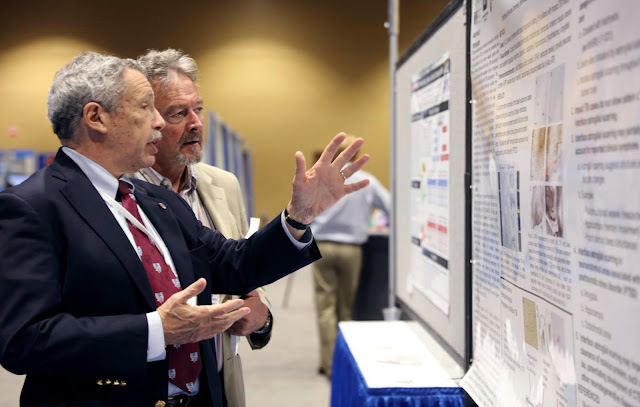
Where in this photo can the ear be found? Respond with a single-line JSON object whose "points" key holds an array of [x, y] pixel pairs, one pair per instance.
{"points": [[95, 117]]}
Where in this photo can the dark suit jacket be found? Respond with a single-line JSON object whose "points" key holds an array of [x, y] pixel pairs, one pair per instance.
{"points": [[74, 294]]}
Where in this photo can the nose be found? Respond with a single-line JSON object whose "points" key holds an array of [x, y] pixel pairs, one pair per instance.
{"points": [[195, 121], [158, 121]]}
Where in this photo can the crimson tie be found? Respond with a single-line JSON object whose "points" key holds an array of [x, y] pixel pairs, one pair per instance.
{"points": [[184, 360]]}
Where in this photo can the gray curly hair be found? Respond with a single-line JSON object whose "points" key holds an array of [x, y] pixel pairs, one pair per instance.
{"points": [[163, 66], [89, 77]]}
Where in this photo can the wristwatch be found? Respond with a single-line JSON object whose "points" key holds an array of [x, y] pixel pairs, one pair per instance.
{"points": [[267, 325], [294, 223]]}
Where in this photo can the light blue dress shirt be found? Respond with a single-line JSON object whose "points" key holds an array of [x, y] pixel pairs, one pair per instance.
{"points": [[348, 220]]}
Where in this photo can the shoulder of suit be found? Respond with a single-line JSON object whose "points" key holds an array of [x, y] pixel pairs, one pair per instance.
{"points": [[39, 191], [215, 173], [153, 190]]}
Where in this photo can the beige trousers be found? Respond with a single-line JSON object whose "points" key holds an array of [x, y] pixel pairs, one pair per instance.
{"points": [[335, 278]]}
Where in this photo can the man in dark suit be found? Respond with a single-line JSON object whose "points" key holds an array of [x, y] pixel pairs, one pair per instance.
{"points": [[83, 251]]}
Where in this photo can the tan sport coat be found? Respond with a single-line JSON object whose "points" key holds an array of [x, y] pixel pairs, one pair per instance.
{"points": [[221, 195]]}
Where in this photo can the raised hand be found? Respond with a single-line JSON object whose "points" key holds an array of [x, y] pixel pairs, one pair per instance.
{"points": [[185, 323], [320, 187]]}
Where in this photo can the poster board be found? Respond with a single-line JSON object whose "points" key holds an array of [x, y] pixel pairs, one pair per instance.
{"points": [[555, 208], [431, 111]]}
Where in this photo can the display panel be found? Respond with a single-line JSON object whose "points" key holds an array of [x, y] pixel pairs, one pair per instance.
{"points": [[430, 157]]}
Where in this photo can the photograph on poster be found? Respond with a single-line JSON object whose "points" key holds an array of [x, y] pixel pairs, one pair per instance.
{"points": [[538, 147], [546, 210], [549, 97], [557, 337], [546, 154], [544, 328], [509, 194], [553, 211], [554, 153], [556, 94], [530, 323], [544, 331], [537, 206], [541, 101]]}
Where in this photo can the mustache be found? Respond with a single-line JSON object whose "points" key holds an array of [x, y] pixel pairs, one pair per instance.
{"points": [[192, 136], [155, 136]]}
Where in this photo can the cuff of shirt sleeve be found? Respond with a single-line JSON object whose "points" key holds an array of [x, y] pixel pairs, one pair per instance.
{"points": [[304, 241], [155, 343]]}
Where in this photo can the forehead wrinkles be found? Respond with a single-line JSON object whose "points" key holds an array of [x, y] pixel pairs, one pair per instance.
{"points": [[180, 91], [136, 88]]}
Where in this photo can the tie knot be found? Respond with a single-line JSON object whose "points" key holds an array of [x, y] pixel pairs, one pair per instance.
{"points": [[123, 188]]}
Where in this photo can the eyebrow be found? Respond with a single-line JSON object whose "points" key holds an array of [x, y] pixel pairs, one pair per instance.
{"points": [[180, 106]]}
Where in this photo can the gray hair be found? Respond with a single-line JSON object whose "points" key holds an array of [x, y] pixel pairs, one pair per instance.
{"points": [[89, 77], [163, 66]]}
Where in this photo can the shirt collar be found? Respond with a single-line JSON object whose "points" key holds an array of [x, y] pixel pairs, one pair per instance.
{"points": [[97, 174], [156, 178]]}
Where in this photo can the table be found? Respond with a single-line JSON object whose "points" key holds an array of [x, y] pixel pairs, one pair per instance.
{"points": [[389, 364]]}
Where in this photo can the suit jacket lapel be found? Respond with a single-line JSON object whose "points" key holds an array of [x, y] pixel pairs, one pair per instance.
{"points": [[214, 199], [83, 196]]}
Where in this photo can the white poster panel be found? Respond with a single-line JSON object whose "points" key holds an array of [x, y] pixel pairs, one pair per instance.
{"points": [[430, 129], [556, 203]]}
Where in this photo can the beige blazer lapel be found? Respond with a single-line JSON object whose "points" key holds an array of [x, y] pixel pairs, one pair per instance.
{"points": [[215, 201]]}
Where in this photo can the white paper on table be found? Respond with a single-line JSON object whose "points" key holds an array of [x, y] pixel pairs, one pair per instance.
{"points": [[390, 354], [254, 225]]}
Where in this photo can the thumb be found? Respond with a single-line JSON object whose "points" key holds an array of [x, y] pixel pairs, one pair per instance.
{"points": [[194, 289], [301, 166]]}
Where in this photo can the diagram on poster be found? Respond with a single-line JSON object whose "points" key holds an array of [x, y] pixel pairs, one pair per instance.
{"points": [[430, 129]]}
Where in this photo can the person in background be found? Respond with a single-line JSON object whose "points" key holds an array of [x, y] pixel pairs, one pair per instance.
{"points": [[340, 232], [106, 281], [212, 193]]}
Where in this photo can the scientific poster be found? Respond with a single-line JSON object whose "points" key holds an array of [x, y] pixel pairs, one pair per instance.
{"points": [[430, 129], [556, 203]]}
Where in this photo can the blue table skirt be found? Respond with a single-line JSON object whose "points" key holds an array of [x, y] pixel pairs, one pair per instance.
{"points": [[349, 389]]}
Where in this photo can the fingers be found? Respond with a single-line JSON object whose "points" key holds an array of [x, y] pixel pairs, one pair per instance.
{"points": [[252, 322], [331, 148], [209, 328], [356, 186], [348, 153], [355, 167], [212, 311], [193, 290], [230, 318], [217, 324], [301, 166]]}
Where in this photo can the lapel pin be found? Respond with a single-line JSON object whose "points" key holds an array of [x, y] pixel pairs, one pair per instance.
{"points": [[160, 204]]}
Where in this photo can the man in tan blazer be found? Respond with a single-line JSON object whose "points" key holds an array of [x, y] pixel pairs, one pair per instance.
{"points": [[213, 194]]}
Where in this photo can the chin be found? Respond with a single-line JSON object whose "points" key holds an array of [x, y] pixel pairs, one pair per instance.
{"points": [[187, 160], [148, 162]]}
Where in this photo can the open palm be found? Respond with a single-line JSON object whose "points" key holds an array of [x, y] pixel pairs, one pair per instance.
{"points": [[320, 187]]}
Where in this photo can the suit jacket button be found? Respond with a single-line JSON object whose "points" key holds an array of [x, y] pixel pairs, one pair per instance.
{"points": [[99, 382], [107, 381], [160, 403], [116, 383], [123, 383]]}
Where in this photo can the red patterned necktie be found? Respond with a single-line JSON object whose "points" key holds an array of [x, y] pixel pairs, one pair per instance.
{"points": [[184, 360]]}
